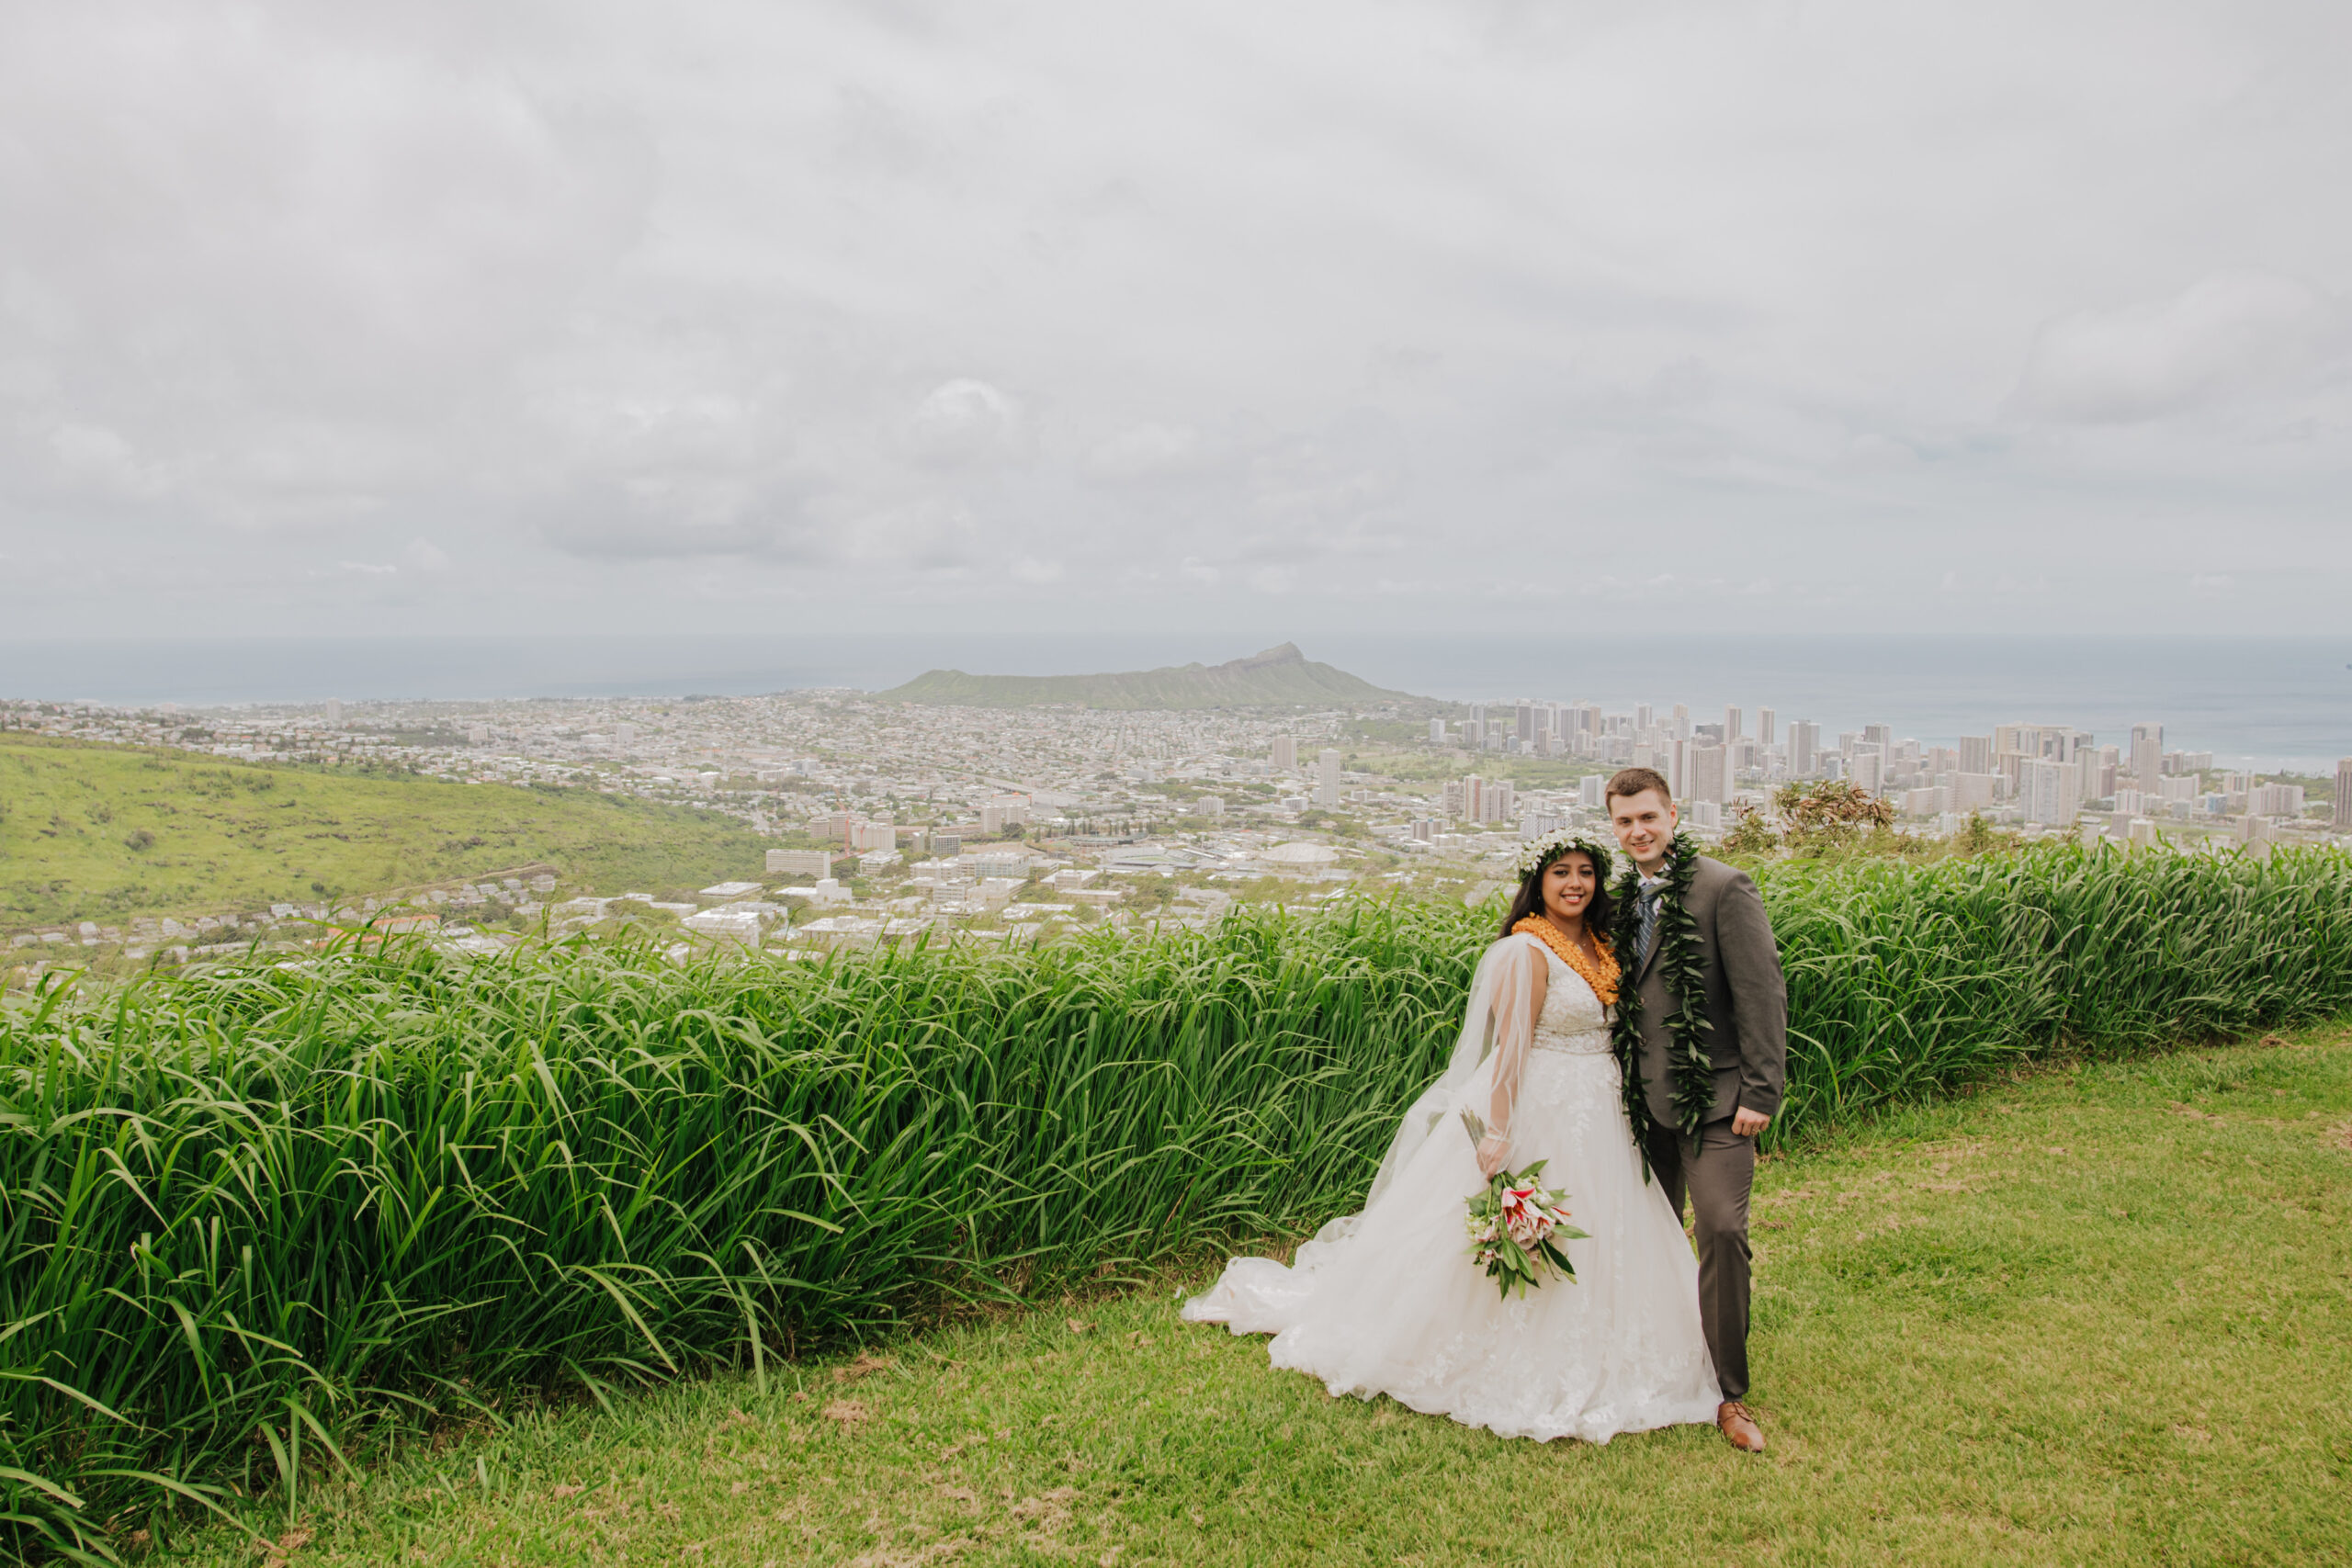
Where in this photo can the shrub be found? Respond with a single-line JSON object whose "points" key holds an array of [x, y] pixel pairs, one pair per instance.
{"points": [[245, 1205]]}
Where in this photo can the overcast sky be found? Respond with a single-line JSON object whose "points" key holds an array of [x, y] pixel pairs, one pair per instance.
{"points": [[1260, 319]]}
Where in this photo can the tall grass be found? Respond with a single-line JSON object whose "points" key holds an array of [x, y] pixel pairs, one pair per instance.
{"points": [[1906, 980], [257, 1213]]}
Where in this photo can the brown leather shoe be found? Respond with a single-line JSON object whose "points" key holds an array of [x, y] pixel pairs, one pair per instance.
{"points": [[1739, 1427]]}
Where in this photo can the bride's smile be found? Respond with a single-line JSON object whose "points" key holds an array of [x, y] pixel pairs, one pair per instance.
{"points": [[1569, 885]]}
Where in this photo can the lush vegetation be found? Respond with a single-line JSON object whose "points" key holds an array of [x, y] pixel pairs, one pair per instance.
{"points": [[106, 832], [249, 1209], [2081, 1319]]}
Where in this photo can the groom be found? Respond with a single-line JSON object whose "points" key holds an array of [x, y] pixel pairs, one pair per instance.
{"points": [[1709, 1092]]}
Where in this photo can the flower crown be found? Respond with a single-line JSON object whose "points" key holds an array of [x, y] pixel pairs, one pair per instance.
{"points": [[1537, 853]]}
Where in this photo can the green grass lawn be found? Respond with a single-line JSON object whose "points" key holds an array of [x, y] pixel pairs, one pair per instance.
{"points": [[105, 832], [2103, 1315]]}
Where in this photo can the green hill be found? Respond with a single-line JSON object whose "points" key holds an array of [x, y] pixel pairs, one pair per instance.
{"points": [[90, 832], [1280, 677]]}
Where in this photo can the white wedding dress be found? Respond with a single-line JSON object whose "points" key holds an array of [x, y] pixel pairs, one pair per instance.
{"points": [[1389, 1302]]}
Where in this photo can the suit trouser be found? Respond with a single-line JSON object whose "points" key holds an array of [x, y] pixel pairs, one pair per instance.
{"points": [[1717, 1182]]}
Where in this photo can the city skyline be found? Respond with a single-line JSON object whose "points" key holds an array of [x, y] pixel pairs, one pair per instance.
{"points": [[2268, 704], [918, 801]]}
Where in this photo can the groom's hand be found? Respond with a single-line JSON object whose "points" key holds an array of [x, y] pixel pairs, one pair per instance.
{"points": [[1746, 1124]]}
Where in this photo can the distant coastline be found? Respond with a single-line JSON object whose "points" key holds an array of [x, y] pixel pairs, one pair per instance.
{"points": [[2271, 701]]}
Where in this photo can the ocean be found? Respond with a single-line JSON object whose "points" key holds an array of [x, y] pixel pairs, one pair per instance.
{"points": [[2272, 703]]}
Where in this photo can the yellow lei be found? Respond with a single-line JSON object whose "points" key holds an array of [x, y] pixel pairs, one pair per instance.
{"points": [[1602, 976]]}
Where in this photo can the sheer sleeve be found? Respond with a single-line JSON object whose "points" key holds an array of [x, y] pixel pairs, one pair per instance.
{"points": [[1519, 989]]}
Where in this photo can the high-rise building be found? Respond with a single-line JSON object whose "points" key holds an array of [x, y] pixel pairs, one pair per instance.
{"points": [[2344, 792], [1976, 753], [2050, 792], [625, 734], [334, 710], [1765, 734], [1866, 766], [1285, 752], [1804, 748], [2147, 754], [2275, 800], [1437, 732], [1683, 721], [1326, 769], [2098, 771], [1706, 772], [1733, 720], [1645, 716]]}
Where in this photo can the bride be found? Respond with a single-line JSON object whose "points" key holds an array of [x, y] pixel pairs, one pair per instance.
{"points": [[1389, 1302]]}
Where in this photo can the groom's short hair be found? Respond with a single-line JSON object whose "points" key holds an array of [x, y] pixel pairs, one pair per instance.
{"points": [[1632, 781]]}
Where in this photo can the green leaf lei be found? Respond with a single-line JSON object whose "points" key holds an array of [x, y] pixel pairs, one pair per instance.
{"points": [[1680, 967]]}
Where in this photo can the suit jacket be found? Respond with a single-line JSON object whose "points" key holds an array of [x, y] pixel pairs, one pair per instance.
{"points": [[1748, 1001]]}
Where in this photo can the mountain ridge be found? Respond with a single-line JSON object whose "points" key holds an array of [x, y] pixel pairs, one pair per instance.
{"points": [[1281, 676]]}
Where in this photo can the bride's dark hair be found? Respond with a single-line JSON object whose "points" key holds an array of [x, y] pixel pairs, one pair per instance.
{"points": [[1529, 900]]}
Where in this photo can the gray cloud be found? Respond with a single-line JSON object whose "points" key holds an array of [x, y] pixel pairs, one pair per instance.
{"points": [[2231, 332], [318, 318]]}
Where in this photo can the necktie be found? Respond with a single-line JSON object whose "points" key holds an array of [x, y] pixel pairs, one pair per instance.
{"points": [[1651, 888]]}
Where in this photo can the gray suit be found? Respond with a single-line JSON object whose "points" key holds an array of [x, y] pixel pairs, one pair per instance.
{"points": [[1747, 1004]]}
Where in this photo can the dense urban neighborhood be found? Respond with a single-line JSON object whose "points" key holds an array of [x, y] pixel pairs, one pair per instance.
{"points": [[866, 819]]}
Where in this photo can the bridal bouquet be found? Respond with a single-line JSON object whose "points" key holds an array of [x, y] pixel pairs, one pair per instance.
{"points": [[1517, 1223]]}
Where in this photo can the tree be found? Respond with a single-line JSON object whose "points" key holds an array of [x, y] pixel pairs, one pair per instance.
{"points": [[1829, 813], [1750, 834], [1975, 836]]}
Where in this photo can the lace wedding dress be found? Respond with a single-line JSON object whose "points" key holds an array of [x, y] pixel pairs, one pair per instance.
{"points": [[1388, 1301]]}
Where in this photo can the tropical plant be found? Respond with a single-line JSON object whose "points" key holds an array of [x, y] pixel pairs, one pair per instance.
{"points": [[274, 1209], [1828, 813]]}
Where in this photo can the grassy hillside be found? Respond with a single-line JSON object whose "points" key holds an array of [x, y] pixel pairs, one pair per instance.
{"points": [[1280, 677], [2081, 1319], [90, 832]]}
